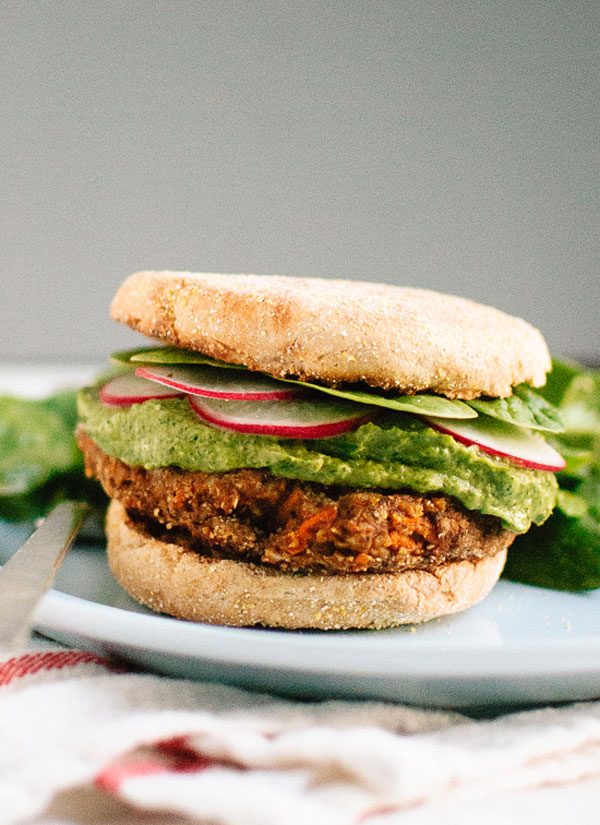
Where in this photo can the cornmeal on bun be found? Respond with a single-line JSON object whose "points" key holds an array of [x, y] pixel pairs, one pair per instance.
{"points": [[308, 453]]}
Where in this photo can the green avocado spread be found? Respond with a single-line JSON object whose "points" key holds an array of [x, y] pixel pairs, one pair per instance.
{"points": [[398, 452]]}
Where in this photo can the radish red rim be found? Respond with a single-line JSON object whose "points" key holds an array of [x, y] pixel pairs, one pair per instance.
{"points": [[506, 441], [279, 419], [208, 382], [125, 390]]}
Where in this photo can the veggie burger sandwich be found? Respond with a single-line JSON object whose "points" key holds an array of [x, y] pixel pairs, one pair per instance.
{"points": [[308, 453]]}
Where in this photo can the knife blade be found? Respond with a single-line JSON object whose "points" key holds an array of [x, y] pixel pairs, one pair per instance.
{"points": [[30, 572]]}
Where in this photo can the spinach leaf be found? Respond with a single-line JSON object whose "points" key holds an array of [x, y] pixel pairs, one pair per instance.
{"points": [[36, 442], [524, 407], [580, 405], [422, 404], [169, 355], [560, 377], [40, 463], [38, 501], [564, 553]]}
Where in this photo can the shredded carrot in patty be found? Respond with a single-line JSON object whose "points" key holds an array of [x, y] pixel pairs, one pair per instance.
{"points": [[292, 501], [308, 528], [361, 562]]}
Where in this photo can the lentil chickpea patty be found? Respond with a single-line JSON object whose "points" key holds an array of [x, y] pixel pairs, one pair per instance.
{"points": [[252, 515]]}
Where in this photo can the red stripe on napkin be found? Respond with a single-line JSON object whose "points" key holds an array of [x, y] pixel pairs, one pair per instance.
{"points": [[31, 663], [182, 757], [113, 776], [170, 756]]}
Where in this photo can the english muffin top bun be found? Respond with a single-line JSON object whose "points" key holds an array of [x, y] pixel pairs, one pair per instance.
{"points": [[306, 453], [338, 331]]}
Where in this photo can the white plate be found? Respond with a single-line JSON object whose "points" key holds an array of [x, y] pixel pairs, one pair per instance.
{"points": [[521, 645]]}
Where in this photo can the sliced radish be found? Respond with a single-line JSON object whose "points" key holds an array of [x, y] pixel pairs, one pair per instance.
{"points": [[506, 440], [216, 383], [298, 418], [131, 389]]}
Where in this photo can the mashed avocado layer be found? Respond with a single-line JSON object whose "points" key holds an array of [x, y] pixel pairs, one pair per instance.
{"points": [[397, 452]]}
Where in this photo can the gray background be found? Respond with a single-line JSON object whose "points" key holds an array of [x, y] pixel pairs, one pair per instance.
{"points": [[449, 145]]}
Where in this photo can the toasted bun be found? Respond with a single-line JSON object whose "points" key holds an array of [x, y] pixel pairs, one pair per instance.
{"points": [[338, 331], [180, 582]]}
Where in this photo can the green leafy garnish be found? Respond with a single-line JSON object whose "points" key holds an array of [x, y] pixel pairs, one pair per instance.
{"points": [[524, 408], [579, 393], [423, 404], [571, 504], [564, 553], [36, 442], [40, 463], [581, 405], [559, 379]]}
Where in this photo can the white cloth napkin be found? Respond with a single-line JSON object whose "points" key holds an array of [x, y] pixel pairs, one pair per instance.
{"points": [[69, 719]]}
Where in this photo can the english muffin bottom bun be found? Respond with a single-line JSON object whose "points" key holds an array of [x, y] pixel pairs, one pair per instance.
{"points": [[304, 453], [170, 578]]}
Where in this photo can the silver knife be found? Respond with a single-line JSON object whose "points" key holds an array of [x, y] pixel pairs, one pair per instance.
{"points": [[30, 572]]}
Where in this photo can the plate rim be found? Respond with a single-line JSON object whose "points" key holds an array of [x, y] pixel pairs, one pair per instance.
{"points": [[304, 651]]}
